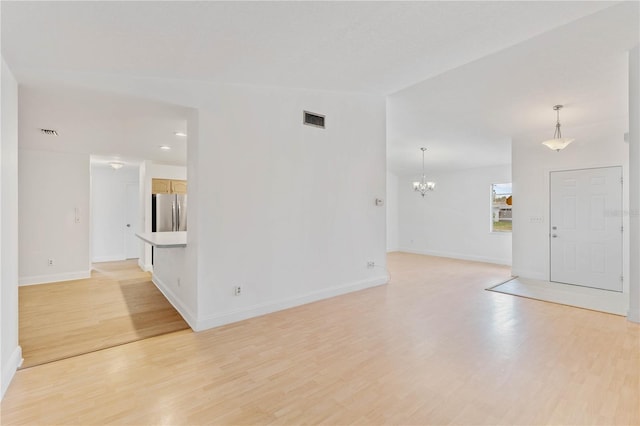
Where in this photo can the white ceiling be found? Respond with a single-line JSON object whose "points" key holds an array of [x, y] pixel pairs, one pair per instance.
{"points": [[109, 127], [491, 69], [354, 46], [468, 116]]}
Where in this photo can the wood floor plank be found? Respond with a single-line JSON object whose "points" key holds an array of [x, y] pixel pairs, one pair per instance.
{"points": [[119, 304], [431, 347]]}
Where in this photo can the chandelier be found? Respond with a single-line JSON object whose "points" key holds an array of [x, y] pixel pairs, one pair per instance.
{"points": [[423, 186], [558, 142]]}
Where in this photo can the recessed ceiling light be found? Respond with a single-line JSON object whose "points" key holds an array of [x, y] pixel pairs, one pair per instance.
{"points": [[180, 134], [115, 165], [165, 147]]}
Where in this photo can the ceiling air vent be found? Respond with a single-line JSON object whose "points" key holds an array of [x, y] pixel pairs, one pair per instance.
{"points": [[49, 132], [313, 119]]}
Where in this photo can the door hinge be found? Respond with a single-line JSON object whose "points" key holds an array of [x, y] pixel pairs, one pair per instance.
{"points": [[622, 180], [621, 278], [622, 229]]}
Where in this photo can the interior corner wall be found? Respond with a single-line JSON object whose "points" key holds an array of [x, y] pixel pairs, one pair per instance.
{"points": [[193, 267], [392, 212], [596, 145], [634, 184], [455, 219], [54, 203], [287, 211], [10, 352], [108, 210]]}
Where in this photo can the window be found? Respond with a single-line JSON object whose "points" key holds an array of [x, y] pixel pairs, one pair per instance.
{"points": [[501, 207]]}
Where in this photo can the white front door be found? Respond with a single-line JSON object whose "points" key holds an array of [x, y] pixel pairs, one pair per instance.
{"points": [[131, 242], [586, 227]]}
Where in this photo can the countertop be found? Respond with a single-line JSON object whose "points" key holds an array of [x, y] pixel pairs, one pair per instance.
{"points": [[164, 239]]}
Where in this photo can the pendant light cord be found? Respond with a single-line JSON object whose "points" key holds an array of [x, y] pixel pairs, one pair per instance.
{"points": [[558, 132]]}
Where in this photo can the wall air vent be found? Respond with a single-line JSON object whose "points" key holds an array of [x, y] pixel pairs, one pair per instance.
{"points": [[49, 132], [313, 119]]}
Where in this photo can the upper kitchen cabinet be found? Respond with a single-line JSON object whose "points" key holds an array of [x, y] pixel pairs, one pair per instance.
{"points": [[178, 186], [160, 186], [168, 186]]}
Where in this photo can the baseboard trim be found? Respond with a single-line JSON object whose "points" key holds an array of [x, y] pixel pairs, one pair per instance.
{"points": [[100, 259], [269, 307], [473, 258], [633, 315], [185, 312], [53, 278], [145, 268], [9, 370]]}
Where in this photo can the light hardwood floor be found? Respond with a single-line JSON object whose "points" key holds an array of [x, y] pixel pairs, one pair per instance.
{"points": [[118, 304], [431, 347]]}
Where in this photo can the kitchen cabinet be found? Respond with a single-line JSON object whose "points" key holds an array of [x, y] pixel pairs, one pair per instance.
{"points": [[168, 186], [160, 186], [178, 186]]}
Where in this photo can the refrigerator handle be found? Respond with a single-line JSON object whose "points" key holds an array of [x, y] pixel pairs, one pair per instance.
{"points": [[178, 215], [173, 216]]}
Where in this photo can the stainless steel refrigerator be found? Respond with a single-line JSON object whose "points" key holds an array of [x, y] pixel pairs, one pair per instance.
{"points": [[169, 212]]}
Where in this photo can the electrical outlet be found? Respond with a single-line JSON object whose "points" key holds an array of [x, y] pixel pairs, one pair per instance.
{"points": [[371, 264], [50, 262], [237, 290]]}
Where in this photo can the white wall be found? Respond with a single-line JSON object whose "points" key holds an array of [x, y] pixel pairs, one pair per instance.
{"points": [[285, 210], [108, 210], [149, 171], [634, 184], [10, 352], [51, 186], [598, 145], [392, 212], [454, 220]]}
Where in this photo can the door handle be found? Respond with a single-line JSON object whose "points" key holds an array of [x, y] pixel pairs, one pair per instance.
{"points": [[554, 236], [128, 225]]}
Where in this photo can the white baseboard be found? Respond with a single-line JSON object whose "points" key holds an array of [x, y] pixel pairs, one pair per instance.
{"points": [[115, 258], [185, 312], [269, 307], [474, 258], [145, 268], [9, 370], [633, 315], [53, 278]]}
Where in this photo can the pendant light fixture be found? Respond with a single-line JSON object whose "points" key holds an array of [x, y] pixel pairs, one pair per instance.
{"points": [[558, 142], [423, 186]]}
